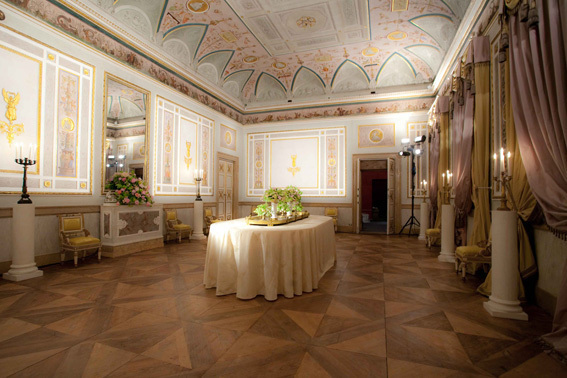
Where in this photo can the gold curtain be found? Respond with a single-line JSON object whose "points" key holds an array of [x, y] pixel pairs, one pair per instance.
{"points": [[443, 158], [481, 154], [522, 196]]}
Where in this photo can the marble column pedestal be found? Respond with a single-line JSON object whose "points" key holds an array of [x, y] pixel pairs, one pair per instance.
{"points": [[447, 253], [198, 220], [23, 247], [504, 303], [423, 220]]}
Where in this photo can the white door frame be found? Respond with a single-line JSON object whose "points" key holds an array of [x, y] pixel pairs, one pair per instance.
{"points": [[356, 207], [235, 174]]}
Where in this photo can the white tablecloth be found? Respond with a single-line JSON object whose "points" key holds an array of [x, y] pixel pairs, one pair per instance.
{"points": [[250, 260]]}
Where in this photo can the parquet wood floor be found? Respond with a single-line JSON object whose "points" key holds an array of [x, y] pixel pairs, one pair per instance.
{"points": [[388, 308]]}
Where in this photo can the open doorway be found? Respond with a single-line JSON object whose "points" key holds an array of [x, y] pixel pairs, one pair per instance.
{"points": [[374, 195], [376, 204]]}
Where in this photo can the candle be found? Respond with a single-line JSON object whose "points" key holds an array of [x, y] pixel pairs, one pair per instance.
{"points": [[29, 153], [424, 184], [15, 151], [443, 175], [502, 160], [508, 168], [21, 150], [495, 164]]}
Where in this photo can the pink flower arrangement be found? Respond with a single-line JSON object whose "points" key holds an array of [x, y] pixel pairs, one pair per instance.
{"points": [[129, 190]]}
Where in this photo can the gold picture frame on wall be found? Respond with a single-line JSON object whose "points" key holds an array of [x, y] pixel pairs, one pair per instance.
{"points": [[126, 121]]}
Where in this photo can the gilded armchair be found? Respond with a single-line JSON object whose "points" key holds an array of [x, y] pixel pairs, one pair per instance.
{"points": [[74, 237], [174, 227]]}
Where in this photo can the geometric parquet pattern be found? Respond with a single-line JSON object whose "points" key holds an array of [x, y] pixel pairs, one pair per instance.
{"points": [[388, 308]]}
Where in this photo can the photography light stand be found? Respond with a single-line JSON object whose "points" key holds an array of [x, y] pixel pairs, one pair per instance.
{"points": [[411, 150]]}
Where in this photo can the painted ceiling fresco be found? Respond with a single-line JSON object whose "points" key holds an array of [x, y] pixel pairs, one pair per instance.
{"points": [[273, 52]]}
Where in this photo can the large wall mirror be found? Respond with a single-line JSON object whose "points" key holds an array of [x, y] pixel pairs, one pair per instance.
{"points": [[126, 128]]}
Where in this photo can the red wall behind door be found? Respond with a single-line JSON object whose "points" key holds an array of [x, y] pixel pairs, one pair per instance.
{"points": [[366, 178]]}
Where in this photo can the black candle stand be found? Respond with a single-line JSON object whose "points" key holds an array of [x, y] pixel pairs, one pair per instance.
{"points": [[198, 179], [25, 196]]}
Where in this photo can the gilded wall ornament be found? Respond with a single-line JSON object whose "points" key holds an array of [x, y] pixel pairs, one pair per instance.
{"points": [[188, 158], [12, 99], [294, 168]]}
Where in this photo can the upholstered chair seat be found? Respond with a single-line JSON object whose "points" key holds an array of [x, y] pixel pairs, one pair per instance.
{"points": [[174, 227], [74, 237], [472, 254], [209, 219], [432, 236], [333, 212]]}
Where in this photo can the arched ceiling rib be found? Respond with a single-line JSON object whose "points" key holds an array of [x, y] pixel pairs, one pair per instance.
{"points": [[290, 49]]}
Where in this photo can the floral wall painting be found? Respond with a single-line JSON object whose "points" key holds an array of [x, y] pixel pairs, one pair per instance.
{"points": [[382, 135], [184, 141], [67, 133], [313, 160], [227, 137], [56, 130]]}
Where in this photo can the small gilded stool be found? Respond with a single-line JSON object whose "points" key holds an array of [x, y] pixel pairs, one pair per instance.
{"points": [[432, 236], [472, 254]]}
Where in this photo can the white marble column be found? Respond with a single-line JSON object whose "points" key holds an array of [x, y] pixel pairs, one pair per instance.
{"points": [[447, 253], [504, 301], [23, 247], [423, 220], [198, 220]]}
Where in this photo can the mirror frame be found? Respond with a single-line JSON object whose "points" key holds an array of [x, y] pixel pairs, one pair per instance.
{"points": [[147, 103]]}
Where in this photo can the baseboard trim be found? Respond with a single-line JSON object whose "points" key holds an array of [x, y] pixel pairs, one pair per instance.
{"points": [[127, 249]]}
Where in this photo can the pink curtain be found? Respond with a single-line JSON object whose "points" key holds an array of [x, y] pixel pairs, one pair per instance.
{"points": [[441, 111], [462, 150], [539, 99], [433, 171]]}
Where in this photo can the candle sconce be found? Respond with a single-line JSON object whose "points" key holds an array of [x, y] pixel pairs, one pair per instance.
{"points": [[503, 182], [198, 179], [26, 163], [447, 187], [424, 190]]}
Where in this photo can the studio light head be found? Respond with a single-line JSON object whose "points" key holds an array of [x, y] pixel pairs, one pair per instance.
{"points": [[404, 153], [405, 140], [419, 139]]}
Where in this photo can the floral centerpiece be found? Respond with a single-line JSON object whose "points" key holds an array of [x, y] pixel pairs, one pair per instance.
{"points": [[263, 210], [273, 195], [129, 189]]}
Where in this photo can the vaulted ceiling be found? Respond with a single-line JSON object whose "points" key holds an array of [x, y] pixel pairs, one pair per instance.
{"points": [[270, 52]]}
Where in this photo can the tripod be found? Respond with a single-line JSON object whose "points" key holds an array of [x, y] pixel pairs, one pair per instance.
{"points": [[412, 220]]}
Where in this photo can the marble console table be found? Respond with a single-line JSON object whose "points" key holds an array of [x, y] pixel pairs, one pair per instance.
{"points": [[129, 229]]}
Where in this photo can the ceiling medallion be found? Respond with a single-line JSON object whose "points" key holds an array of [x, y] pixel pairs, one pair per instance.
{"points": [[397, 35], [370, 51], [306, 22], [197, 6], [279, 65], [250, 59]]}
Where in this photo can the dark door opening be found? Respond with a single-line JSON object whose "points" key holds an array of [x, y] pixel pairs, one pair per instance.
{"points": [[374, 200]]}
